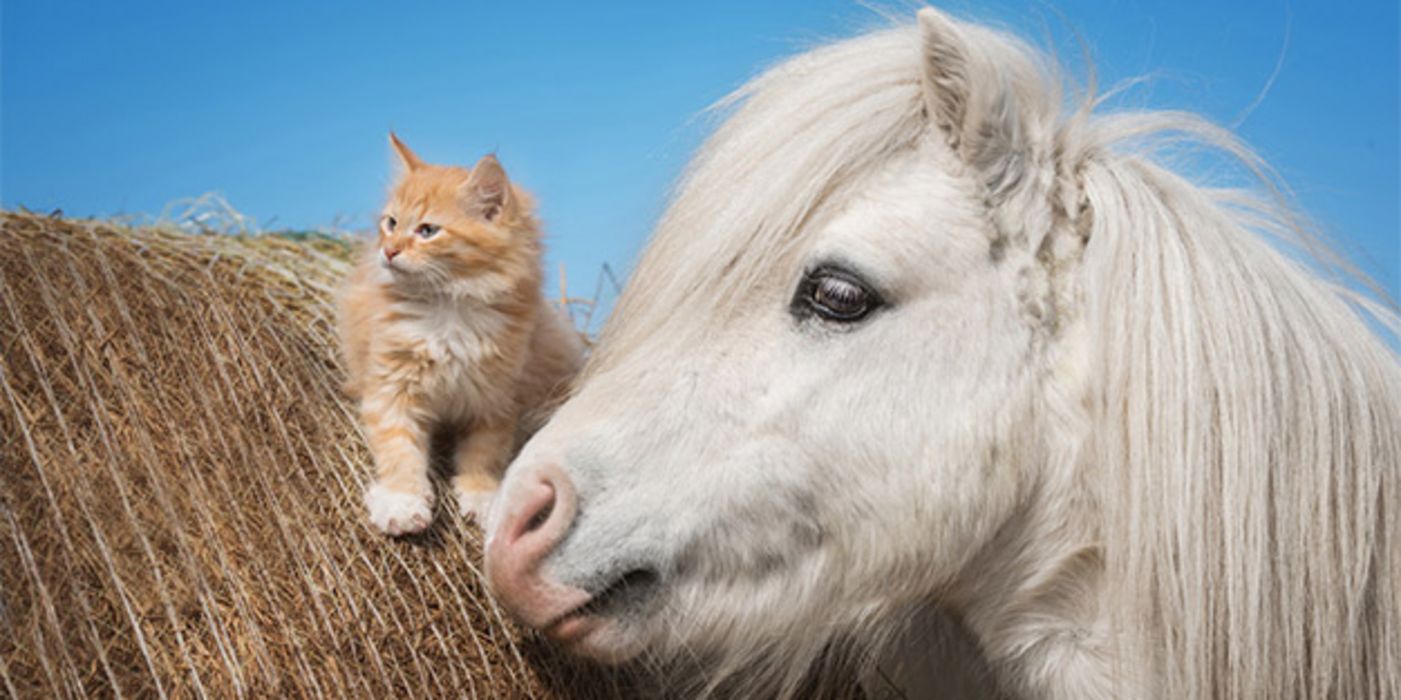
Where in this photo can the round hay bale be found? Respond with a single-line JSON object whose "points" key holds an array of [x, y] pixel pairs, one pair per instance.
{"points": [[180, 489]]}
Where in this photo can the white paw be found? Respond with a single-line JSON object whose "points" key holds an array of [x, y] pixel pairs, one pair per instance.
{"points": [[398, 512], [475, 504]]}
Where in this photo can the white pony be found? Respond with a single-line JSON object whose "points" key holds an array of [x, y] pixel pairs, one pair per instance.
{"points": [[923, 370]]}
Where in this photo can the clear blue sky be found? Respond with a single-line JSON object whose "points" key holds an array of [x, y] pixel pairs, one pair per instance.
{"points": [[112, 108]]}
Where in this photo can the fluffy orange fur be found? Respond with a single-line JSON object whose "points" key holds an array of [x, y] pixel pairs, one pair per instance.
{"points": [[445, 329]]}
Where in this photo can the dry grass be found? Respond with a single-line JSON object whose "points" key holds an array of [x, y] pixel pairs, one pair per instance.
{"points": [[180, 487]]}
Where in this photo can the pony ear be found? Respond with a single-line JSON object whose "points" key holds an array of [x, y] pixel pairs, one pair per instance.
{"points": [[487, 191], [944, 83], [407, 158], [967, 97]]}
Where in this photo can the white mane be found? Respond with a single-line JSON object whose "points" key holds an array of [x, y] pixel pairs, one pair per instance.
{"points": [[1241, 422]]}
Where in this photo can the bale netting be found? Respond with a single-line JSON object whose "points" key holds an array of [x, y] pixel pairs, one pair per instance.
{"points": [[180, 484]]}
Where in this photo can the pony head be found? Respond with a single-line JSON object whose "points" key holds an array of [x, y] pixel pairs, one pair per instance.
{"points": [[862, 370]]}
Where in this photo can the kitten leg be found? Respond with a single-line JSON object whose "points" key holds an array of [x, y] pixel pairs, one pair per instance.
{"points": [[481, 461], [400, 499]]}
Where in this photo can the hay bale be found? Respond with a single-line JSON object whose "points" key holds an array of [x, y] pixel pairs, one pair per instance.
{"points": [[180, 486]]}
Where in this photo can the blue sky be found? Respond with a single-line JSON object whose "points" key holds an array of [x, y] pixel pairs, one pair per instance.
{"points": [[119, 108]]}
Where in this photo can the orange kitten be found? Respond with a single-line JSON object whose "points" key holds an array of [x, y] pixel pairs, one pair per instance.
{"points": [[445, 328]]}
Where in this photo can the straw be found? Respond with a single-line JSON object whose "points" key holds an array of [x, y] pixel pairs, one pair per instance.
{"points": [[180, 489]]}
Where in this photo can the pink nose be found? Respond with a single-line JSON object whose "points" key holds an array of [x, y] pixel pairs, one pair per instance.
{"points": [[537, 512], [389, 253]]}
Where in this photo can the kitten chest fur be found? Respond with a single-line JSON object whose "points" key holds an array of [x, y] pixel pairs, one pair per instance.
{"points": [[459, 358]]}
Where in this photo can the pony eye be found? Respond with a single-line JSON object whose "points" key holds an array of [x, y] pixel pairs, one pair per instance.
{"points": [[389, 222], [426, 230], [835, 295]]}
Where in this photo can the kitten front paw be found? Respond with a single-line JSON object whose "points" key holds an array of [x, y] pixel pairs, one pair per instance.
{"points": [[398, 512], [474, 503]]}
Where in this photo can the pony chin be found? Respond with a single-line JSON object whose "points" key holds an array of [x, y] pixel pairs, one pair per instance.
{"points": [[604, 640]]}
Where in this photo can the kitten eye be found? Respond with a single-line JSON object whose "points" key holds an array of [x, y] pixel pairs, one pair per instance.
{"points": [[389, 222], [427, 230], [834, 294]]}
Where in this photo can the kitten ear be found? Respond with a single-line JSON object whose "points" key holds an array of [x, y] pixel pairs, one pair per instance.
{"points": [[487, 191], [407, 158]]}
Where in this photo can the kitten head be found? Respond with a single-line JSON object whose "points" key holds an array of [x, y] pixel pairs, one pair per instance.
{"points": [[444, 226]]}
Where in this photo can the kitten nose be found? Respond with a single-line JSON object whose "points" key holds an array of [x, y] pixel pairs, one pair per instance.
{"points": [[389, 253]]}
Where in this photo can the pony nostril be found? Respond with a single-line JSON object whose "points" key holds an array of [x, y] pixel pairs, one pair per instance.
{"points": [[541, 511], [536, 514], [540, 518], [536, 510]]}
